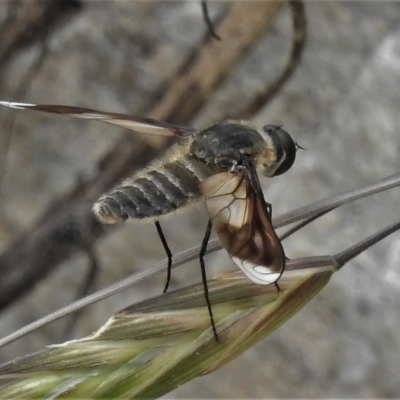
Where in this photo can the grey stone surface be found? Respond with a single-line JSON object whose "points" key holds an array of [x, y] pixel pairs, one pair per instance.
{"points": [[342, 105]]}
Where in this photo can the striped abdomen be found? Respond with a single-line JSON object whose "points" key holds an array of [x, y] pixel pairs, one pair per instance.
{"points": [[155, 192]]}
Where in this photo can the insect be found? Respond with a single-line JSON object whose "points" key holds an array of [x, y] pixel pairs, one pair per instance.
{"points": [[219, 164]]}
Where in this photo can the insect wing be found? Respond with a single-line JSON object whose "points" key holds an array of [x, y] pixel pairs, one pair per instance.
{"points": [[131, 122], [243, 225]]}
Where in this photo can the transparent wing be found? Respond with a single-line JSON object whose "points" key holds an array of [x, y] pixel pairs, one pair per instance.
{"points": [[241, 219], [131, 122]]}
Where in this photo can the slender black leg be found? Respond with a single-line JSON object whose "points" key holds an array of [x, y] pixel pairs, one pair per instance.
{"points": [[168, 251], [204, 276]]}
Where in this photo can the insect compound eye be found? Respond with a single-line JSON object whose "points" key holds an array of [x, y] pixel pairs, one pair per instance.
{"points": [[286, 147]]}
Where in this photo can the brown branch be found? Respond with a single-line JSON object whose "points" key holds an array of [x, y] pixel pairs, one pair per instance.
{"points": [[61, 231], [9, 121], [28, 23], [242, 27], [298, 42], [31, 20]]}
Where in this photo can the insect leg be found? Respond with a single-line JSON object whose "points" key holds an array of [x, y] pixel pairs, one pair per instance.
{"points": [[204, 276], [168, 251]]}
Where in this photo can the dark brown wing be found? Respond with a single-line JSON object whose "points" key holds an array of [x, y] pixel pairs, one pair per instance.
{"points": [[131, 122], [239, 215]]}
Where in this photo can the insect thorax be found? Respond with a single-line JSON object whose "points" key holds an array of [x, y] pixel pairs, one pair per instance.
{"points": [[228, 142]]}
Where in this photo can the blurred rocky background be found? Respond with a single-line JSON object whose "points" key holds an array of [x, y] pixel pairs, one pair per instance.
{"points": [[342, 105]]}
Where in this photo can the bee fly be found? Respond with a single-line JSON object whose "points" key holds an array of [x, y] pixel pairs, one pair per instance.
{"points": [[218, 164]]}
